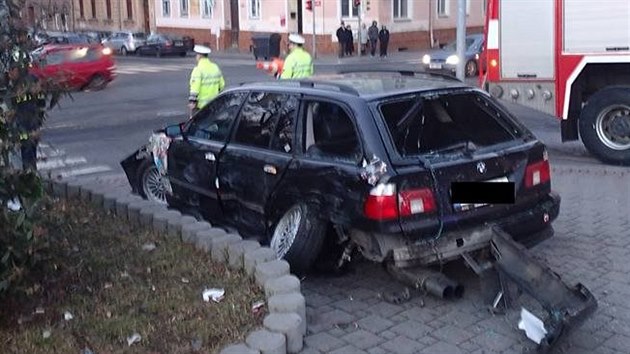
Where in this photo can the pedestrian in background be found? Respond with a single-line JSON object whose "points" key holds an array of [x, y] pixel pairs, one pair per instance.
{"points": [[341, 38], [373, 36], [383, 38], [298, 64], [364, 39], [349, 41], [206, 80]]}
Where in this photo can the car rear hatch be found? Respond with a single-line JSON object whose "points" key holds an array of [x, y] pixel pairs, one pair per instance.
{"points": [[455, 136]]}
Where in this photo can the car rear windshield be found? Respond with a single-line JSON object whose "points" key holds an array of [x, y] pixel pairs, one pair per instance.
{"points": [[139, 35], [447, 122]]}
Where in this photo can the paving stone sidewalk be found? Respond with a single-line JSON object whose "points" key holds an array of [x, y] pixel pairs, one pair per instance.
{"points": [[591, 245]]}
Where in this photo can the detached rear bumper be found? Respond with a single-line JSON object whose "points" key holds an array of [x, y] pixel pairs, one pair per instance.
{"points": [[528, 227]]}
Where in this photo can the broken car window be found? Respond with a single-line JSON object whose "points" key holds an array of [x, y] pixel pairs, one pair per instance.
{"points": [[215, 119], [461, 121], [259, 117], [283, 137], [330, 133]]}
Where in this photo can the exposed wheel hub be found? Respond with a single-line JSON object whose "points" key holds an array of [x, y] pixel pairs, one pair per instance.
{"points": [[613, 127], [620, 125]]}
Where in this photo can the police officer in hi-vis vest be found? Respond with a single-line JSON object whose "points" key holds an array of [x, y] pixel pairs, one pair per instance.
{"points": [[206, 80], [298, 64]]}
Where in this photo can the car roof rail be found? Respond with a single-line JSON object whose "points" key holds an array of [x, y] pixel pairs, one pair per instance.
{"points": [[402, 72], [314, 84], [319, 84]]}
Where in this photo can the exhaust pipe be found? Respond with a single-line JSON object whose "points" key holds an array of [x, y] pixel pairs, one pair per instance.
{"points": [[430, 281]]}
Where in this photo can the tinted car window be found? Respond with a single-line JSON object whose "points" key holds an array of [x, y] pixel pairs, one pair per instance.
{"points": [[213, 122], [425, 125], [259, 117], [56, 57], [330, 133], [139, 36]]}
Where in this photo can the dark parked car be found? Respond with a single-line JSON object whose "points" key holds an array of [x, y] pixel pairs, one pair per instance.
{"points": [[163, 44], [373, 164]]}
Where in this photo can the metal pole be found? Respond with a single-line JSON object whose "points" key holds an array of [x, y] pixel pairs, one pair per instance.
{"points": [[360, 7], [313, 6], [461, 38], [119, 16]]}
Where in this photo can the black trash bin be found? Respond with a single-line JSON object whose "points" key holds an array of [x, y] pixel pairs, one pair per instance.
{"points": [[266, 45]]}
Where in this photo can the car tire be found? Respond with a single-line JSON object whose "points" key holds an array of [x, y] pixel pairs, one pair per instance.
{"points": [[471, 68], [298, 237], [150, 185], [158, 53], [603, 122], [182, 54], [124, 51], [96, 83]]}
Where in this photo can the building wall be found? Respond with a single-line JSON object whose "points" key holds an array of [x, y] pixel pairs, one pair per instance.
{"points": [[120, 19], [411, 32], [51, 15]]}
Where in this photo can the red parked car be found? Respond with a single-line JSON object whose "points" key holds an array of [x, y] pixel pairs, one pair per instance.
{"points": [[74, 66]]}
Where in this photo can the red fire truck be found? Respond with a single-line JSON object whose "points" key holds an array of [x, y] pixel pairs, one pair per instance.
{"points": [[568, 58]]}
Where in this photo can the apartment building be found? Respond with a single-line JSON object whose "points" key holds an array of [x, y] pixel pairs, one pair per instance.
{"points": [[413, 24]]}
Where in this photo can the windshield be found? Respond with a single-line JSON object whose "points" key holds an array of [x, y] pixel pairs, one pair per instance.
{"points": [[445, 123], [139, 35], [451, 47]]}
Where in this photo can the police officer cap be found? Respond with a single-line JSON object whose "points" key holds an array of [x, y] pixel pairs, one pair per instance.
{"points": [[201, 49], [296, 38]]}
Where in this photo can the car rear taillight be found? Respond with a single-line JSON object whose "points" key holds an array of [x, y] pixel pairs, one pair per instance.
{"points": [[416, 201], [107, 51], [537, 173], [382, 203]]}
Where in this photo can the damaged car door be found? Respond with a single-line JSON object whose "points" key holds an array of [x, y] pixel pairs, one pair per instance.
{"points": [[256, 158], [193, 160]]}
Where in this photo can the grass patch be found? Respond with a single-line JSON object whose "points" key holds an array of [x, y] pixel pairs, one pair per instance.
{"points": [[95, 269]]}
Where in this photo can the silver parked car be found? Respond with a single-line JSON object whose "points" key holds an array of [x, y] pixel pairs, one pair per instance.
{"points": [[445, 59], [125, 42]]}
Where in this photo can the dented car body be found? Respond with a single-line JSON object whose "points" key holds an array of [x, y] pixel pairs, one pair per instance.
{"points": [[366, 161]]}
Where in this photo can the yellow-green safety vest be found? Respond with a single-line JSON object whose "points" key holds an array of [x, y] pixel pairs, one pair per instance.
{"points": [[297, 65], [206, 81]]}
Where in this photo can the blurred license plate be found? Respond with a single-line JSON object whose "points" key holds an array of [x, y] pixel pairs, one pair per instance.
{"points": [[471, 206], [179, 44], [435, 66]]}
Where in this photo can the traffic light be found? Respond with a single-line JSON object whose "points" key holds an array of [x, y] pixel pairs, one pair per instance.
{"points": [[309, 5], [356, 3]]}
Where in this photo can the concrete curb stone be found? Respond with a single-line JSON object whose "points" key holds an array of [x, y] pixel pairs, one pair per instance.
{"points": [[270, 270], [237, 250], [289, 325], [204, 238], [285, 284], [289, 303], [220, 244], [189, 231], [286, 304], [239, 349], [267, 342], [252, 258]]}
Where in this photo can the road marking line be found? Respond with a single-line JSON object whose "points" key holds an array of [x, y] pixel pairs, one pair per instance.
{"points": [[52, 153], [85, 171], [59, 163]]}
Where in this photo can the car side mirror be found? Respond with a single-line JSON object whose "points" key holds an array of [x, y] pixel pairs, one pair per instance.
{"points": [[174, 130]]}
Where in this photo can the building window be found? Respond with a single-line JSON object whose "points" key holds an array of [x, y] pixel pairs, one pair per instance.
{"points": [[254, 8], [206, 8], [348, 9], [442, 8], [183, 8], [93, 3], [129, 10], [166, 8], [108, 9], [81, 9], [401, 9]]}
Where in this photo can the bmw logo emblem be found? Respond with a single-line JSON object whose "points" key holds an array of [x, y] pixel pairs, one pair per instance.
{"points": [[481, 167]]}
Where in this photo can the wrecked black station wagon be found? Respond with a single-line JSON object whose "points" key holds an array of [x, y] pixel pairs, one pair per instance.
{"points": [[408, 168]]}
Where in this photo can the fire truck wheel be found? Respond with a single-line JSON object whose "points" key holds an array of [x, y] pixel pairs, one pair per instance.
{"points": [[605, 125]]}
